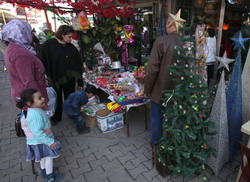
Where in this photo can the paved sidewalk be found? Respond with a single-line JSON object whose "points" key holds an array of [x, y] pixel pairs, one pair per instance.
{"points": [[93, 157]]}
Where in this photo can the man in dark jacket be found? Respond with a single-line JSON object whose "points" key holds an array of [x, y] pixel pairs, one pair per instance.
{"points": [[158, 77]]}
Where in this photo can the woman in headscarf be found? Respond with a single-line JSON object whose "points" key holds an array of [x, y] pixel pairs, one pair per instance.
{"points": [[25, 70]]}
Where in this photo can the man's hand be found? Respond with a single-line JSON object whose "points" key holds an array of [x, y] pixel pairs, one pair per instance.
{"points": [[145, 95]]}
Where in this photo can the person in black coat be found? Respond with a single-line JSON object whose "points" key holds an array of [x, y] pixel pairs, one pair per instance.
{"points": [[63, 66]]}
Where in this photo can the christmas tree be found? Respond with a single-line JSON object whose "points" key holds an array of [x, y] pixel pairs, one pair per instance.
{"points": [[184, 146]]}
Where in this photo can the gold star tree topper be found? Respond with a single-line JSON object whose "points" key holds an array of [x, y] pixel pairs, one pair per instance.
{"points": [[247, 22], [177, 21]]}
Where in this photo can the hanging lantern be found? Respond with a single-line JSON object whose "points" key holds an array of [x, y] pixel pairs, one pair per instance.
{"points": [[225, 27]]}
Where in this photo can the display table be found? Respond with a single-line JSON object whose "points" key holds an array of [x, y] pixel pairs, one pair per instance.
{"points": [[245, 128], [111, 97]]}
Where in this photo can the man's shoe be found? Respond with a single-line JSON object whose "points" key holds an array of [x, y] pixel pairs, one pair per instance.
{"points": [[85, 131]]}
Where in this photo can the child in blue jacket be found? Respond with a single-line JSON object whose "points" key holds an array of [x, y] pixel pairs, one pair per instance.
{"points": [[72, 106]]}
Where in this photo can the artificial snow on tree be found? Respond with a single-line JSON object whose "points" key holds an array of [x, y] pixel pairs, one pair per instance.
{"points": [[234, 100], [186, 128]]}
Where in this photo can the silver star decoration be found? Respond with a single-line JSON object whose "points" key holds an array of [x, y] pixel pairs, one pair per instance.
{"points": [[239, 41], [224, 61]]}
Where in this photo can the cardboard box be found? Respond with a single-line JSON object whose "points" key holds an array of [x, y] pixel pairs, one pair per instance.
{"points": [[108, 121], [91, 121]]}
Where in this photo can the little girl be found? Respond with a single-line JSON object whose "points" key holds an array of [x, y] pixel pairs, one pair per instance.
{"points": [[41, 145]]}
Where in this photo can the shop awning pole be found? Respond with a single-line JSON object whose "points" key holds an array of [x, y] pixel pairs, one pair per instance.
{"points": [[4, 21], [221, 22], [54, 17], [47, 20]]}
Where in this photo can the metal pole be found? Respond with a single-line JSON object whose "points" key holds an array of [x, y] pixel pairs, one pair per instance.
{"points": [[4, 21], [221, 22], [54, 17], [47, 20], [26, 15]]}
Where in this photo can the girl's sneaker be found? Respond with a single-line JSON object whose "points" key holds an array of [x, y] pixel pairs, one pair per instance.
{"points": [[43, 171], [54, 177]]}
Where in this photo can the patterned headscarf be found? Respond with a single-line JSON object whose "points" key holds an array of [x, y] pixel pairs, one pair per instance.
{"points": [[18, 32]]}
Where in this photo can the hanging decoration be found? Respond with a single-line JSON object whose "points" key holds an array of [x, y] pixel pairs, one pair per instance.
{"points": [[81, 21], [95, 2], [124, 35], [235, 1], [247, 22], [105, 8]]}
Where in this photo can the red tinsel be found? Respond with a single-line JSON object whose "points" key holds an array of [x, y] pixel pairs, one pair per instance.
{"points": [[107, 8]]}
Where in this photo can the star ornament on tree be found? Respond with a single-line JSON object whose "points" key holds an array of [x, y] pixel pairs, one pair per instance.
{"points": [[177, 21], [224, 61], [247, 22], [239, 42]]}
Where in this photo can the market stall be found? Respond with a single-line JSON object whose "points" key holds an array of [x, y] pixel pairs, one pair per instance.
{"points": [[125, 88]]}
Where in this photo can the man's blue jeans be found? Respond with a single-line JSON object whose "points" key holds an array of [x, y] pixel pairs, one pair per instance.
{"points": [[156, 111], [80, 123]]}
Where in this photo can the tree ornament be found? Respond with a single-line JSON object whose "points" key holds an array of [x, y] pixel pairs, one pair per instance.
{"points": [[231, 1], [203, 166], [194, 96], [224, 61], [200, 116], [190, 85], [186, 126], [239, 42], [177, 21], [196, 108], [247, 22]]}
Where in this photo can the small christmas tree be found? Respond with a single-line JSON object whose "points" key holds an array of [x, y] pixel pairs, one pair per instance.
{"points": [[184, 145]]}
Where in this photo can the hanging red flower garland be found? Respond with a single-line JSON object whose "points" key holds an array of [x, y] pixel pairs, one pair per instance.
{"points": [[107, 8]]}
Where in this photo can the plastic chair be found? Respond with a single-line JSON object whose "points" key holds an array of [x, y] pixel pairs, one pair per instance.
{"points": [[245, 175]]}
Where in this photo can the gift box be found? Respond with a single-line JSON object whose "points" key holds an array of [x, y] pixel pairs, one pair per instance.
{"points": [[108, 121]]}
